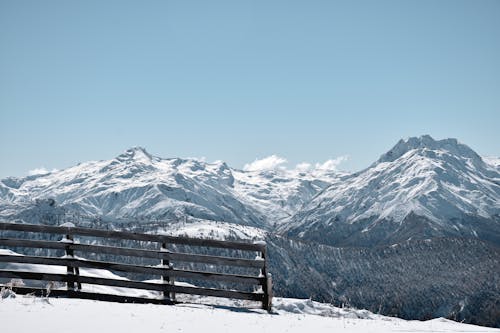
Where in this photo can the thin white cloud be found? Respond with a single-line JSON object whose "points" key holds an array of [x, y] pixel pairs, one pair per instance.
{"points": [[199, 159], [272, 162], [332, 164], [303, 167], [40, 171], [37, 171], [275, 162]]}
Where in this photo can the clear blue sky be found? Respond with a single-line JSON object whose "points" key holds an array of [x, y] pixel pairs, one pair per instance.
{"points": [[239, 80]]}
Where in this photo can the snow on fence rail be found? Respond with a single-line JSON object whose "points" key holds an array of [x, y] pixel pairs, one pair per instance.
{"points": [[166, 270]]}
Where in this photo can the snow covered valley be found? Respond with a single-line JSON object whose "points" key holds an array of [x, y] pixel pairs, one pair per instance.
{"points": [[31, 314]]}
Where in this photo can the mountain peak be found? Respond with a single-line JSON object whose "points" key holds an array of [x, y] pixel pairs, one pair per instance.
{"points": [[427, 142], [135, 153]]}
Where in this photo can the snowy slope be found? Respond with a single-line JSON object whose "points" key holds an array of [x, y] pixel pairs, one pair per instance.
{"points": [[493, 161], [29, 314], [420, 188], [278, 194], [137, 185]]}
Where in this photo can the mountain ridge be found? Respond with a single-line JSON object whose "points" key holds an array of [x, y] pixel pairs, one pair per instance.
{"points": [[420, 184], [137, 184]]}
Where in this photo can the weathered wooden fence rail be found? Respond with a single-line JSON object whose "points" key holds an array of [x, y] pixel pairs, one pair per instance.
{"points": [[166, 269]]}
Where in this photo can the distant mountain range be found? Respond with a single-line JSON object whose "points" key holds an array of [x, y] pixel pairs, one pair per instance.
{"points": [[421, 188], [424, 216]]}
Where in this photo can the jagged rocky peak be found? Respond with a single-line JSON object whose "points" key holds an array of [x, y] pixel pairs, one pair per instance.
{"points": [[135, 153], [427, 143], [133, 160], [222, 169], [12, 182], [221, 165]]}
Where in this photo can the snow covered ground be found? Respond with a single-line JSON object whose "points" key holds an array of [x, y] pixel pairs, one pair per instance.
{"points": [[34, 314]]}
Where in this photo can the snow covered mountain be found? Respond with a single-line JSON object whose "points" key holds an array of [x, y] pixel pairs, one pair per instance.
{"points": [[279, 194], [421, 188], [136, 185]]}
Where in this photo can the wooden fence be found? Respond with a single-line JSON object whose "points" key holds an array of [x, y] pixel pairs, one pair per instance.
{"points": [[166, 269]]}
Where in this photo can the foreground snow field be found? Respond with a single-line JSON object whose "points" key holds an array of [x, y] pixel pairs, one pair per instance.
{"points": [[33, 314]]}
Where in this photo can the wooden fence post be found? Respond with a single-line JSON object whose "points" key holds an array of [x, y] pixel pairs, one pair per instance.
{"points": [[267, 285], [69, 269], [165, 278]]}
